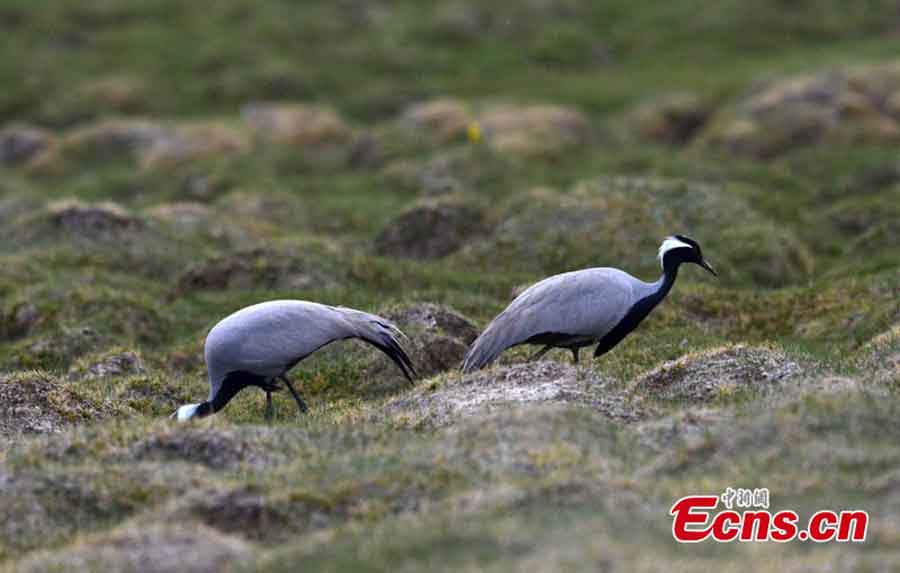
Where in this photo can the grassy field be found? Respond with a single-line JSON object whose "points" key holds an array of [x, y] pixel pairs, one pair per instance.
{"points": [[164, 163]]}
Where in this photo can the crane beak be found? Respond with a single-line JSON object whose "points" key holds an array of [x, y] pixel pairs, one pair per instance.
{"points": [[708, 267]]}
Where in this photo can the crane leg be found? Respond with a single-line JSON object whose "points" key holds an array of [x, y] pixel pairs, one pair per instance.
{"points": [[575, 350], [300, 403], [269, 408], [537, 355]]}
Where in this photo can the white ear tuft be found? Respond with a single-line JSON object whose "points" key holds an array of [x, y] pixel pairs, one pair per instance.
{"points": [[669, 244], [186, 412]]}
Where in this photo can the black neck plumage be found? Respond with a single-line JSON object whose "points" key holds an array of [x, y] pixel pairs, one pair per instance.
{"points": [[666, 281], [233, 383], [639, 310], [204, 409]]}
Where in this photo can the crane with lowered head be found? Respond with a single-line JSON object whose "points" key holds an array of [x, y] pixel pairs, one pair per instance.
{"points": [[258, 345]]}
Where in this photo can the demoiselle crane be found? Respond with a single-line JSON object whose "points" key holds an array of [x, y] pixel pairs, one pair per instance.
{"points": [[258, 345], [580, 308]]}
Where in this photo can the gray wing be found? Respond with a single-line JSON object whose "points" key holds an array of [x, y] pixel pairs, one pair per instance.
{"points": [[587, 303], [268, 337]]}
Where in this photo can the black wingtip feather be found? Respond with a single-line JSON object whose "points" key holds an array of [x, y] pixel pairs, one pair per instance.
{"points": [[397, 354], [403, 360], [476, 358]]}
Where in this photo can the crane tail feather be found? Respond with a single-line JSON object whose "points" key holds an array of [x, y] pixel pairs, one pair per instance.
{"points": [[385, 336], [396, 353], [483, 351]]}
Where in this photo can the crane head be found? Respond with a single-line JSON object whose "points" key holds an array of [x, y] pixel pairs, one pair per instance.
{"points": [[679, 249]]}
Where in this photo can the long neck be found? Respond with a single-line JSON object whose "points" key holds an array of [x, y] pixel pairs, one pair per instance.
{"points": [[639, 311], [223, 396], [210, 407], [664, 283], [226, 392], [233, 383]]}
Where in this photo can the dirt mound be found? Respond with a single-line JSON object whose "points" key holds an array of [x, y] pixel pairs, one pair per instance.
{"points": [[35, 403], [244, 512], [41, 505], [442, 119], [295, 124], [112, 137], [431, 229], [112, 364], [55, 349], [670, 118], [99, 221], [150, 144], [880, 357], [725, 371], [19, 319], [547, 231], [19, 143], [145, 548], [275, 516], [258, 516], [255, 208], [859, 104], [434, 318], [871, 223], [212, 447], [63, 490], [184, 143], [439, 337], [533, 130], [456, 396], [181, 213], [261, 268]]}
